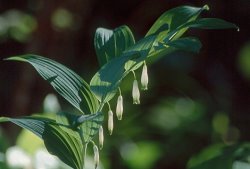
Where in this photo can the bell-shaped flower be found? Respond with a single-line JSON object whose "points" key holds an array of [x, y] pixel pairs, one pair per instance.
{"points": [[136, 93], [101, 137], [110, 122], [144, 77], [96, 156], [119, 107]]}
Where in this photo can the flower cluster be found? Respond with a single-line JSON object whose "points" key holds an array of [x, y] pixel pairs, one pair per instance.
{"points": [[119, 109]]}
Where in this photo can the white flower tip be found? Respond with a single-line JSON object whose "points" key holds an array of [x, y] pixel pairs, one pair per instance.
{"points": [[119, 107], [101, 137], [96, 156], [136, 93], [110, 122], [144, 78]]}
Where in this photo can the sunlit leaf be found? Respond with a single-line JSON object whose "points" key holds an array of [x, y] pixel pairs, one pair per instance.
{"points": [[111, 43], [67, 83], [106, 81], [66, 147], [175, 18], [88, 126]]}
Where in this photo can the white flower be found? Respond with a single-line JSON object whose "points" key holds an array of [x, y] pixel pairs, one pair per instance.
{"points": [[96, 156], [136, 93], [119, 107], [144, 78], [110, 122], [51, 104], [101, 137]]}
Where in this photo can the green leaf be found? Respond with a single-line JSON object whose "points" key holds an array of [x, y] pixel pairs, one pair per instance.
{"points": [[220, 156], [111, 43], [189, 44], [106, 81], [211, 23], [89, 124], [175, 18], [66, 82], [66, 147]]}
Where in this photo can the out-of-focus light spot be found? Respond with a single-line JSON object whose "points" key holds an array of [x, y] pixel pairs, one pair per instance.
{"points": [[44, 160], [244, 60], [220, 123], [17, 158], [141, 155], [3, 26], [62, 19], [29, 142], [231, 136], [174, 112], [17, 25], [184, 107]]}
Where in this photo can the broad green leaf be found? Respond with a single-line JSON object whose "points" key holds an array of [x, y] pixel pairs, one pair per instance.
{"points": [[66, 147], [111, 43], [210, 23], [89, 124], [189, 44], [106, 81], [176, 17], [66, 82], [220, 156]]}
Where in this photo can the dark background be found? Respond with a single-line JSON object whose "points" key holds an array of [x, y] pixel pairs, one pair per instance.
{"points": [[217, 79]]}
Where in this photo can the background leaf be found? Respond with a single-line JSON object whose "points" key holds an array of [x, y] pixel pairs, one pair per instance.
{"points": [[66, 82], [111, 43], [220, 156]]}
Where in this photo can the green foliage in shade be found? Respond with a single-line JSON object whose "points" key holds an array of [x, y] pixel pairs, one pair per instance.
{"points": [[67, 147], [190, 44], [106, 81], [88, 127], [111, 43], [220, 156], [118, 55], [211, 23], [66, 82], [174, 18], [162, 38]]}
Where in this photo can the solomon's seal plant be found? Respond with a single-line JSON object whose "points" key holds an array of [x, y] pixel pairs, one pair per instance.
{"points": [[68, 135]]}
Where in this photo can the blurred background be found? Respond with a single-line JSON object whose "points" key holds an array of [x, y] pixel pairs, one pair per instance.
{"points": [[195, 103]]}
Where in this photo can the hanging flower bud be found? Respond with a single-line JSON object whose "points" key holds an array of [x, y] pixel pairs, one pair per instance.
{"points": [[119, 108], [144, 77], [101, 137], [136, 93], [96, 156], [110, 122]]}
